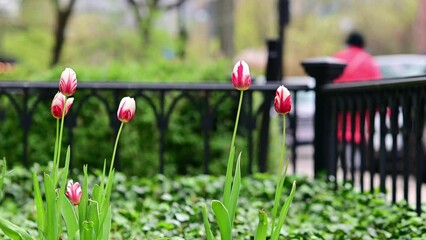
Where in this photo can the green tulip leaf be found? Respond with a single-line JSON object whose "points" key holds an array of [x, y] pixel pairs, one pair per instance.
{"points": [[235, 192], [228, 178], [82, 207], [13, 231], [69, 216], [39, 204], [262, 226], [52, 231], [283, 213], [209, 234], [222, 219]]}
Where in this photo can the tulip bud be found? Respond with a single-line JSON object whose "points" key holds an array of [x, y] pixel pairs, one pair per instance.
{"points": [[74, 192], [126, 110], [58, 105], [241, 76], [68, 82], [282, 101]]}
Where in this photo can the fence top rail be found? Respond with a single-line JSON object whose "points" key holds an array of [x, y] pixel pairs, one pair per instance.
{"points": [[377, 85], [208, 86]]}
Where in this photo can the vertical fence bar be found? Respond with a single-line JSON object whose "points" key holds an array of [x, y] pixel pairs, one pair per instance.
{"points": [[250, 128], [394, 131], [362, 145], [25, 121], [371, 158], [206, 123], [418, 133], [293, 123], [162, 124], [383, 131], [406, 116], [353, 124], [343, 121], [334, 160]]}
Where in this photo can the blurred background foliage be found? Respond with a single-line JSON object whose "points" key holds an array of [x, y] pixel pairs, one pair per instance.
{"points": [[175, 41], [107, 35]]}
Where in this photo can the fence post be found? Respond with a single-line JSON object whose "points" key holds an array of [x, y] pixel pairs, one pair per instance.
{"points": [[324, 70]]}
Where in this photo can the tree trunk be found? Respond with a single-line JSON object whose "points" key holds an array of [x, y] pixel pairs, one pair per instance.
{"points": [[63, 15], [225, 26]]}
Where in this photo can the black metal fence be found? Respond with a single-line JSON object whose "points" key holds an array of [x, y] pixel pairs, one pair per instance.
{"points": [[371, 132], [25, 97], [381, 122]]}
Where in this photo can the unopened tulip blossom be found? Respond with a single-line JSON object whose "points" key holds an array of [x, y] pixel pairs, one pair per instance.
{"points": [[59, 103], [68, 82], [282, 101], [241, 76], [74, 192], [126, 110]]}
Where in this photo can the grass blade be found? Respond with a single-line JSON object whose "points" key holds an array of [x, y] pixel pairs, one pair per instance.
{"points": [[283, 213], [262, 226], [209, 234], [222, 219]]}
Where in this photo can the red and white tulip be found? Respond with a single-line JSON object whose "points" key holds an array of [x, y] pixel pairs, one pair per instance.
{"points": [[241, 76], [74, 192], [126, 110], [282, 101], [59, 103], [68, 82]]}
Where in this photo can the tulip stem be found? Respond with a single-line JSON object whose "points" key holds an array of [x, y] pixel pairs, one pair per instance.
{"points": [[115, 148], [237, 119], [58, 156], [56, 149], [280, 178], [230, 165], [283, 145]]}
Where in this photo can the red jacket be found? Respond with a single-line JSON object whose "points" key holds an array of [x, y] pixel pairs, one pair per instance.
{"points": [[361, 66]]}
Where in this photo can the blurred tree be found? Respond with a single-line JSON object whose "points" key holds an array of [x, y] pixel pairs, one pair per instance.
{"points": [[420, 37], [145, 13], [63, 13], [225, 26]]}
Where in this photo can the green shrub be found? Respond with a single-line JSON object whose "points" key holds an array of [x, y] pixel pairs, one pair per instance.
{"points": [[170, 208]]}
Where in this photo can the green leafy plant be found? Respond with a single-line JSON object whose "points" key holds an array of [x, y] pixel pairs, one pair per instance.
{"points": [[225, 210], [84, 217], [2, 176]]}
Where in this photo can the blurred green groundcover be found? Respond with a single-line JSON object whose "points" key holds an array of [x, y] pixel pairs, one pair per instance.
{"points": [[165, 208]]}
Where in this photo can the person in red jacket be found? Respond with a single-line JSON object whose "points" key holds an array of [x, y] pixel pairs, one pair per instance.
{"points": [[361, 66]]}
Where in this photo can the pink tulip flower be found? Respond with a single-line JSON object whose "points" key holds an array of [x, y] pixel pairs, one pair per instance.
{"points": [[126, 110], [241, 76], [74, 192], [282, 101], [58, 105], [68, 82]]}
